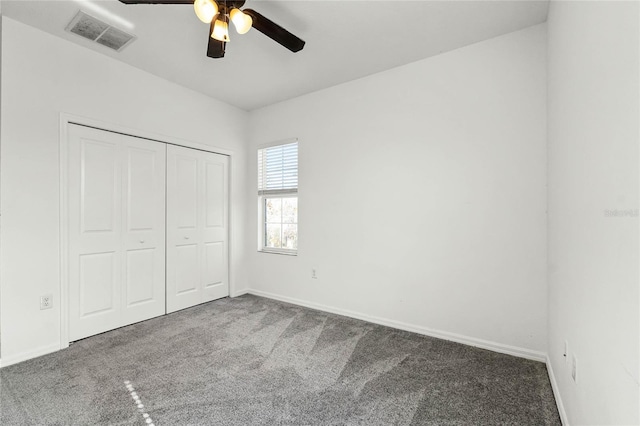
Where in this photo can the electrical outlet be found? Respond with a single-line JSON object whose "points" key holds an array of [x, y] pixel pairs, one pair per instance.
{"points": [[574, 368], [314, 274], [46, 301], [566, 352]]}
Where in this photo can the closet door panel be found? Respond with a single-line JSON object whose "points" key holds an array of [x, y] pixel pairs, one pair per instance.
{"points": [[97, 174], [141, 277], [186, 265], [95, 227], [215, 194], [185, 208], [197, 205], [116, 187], [99, 284], [144, 231], [183, 238]]}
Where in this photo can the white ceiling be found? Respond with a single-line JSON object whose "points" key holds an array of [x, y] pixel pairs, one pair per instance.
{"points": [[346, 40]]}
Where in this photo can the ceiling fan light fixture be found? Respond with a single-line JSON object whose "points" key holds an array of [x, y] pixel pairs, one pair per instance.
{"points": [[241, 21], [205, 10], [217, 14], [221, 29]]}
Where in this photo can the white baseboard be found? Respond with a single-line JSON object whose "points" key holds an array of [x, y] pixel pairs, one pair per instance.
{"points": [[239, 293], [556, 393], [24, 356], [471, 341]]}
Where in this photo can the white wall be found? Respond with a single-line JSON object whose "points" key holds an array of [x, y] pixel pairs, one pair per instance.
{"points": [[0, 173], [422, 195], [43, 76], [593, 168]]}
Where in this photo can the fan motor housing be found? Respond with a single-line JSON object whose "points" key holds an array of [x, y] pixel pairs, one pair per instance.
{"points": [[226, 6]]}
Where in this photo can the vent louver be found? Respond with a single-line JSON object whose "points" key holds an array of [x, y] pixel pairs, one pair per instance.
{"points": [[98, 31]]}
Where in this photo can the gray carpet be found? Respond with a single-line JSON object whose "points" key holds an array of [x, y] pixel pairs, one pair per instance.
{"points": [[255, 361]]}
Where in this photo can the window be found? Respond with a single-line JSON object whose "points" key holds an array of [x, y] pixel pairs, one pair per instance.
{"points": [[278, 197]]}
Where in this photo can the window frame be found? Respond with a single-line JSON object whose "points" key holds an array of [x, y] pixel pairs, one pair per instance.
{"points": [[282, 193], [262, 217]]}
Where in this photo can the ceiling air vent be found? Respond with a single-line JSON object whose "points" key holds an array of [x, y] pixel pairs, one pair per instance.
{"points": [[96, 30]]}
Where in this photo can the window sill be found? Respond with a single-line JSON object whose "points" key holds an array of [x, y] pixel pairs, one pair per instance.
{"points": [[285, 253]]}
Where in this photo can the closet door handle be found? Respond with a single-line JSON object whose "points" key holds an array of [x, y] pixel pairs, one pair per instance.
{"points": [[186, 238], [141, 241]]}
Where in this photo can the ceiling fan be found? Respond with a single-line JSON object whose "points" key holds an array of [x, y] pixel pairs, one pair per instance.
{"points": [[218, 14]]}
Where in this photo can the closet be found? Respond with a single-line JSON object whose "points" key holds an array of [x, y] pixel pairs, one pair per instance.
{"points": [[147, 229]]}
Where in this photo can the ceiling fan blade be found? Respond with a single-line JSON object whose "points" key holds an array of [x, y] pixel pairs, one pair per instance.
{"points": [[275, 31], [157, 1], [215, 48]]}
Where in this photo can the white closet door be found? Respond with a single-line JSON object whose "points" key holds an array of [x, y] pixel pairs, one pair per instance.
{"points": [[116, 207], [197, 227], [144, 241]]}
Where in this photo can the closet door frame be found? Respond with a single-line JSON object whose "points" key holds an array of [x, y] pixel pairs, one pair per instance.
{"points": [[69, 119]]}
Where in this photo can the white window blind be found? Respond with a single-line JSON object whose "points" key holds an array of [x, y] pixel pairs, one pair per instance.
{"points": [[278, 169]]}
